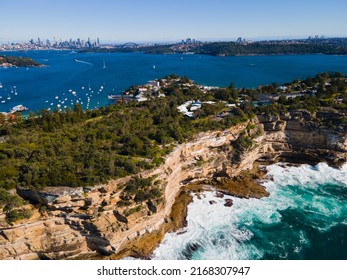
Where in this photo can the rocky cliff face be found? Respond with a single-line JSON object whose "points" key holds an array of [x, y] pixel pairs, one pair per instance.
{"points": [[81, 222], [303, 139]]}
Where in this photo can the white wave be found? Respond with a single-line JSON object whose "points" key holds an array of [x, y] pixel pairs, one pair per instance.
{"points": [[218, 232]]}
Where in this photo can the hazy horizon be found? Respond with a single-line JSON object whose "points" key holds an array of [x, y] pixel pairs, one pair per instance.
{"points": [[167, 21], [168, 41]]}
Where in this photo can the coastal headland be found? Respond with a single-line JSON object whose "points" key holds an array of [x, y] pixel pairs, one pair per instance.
{"points": [[14, 61], [75, 228], [109, 183]]}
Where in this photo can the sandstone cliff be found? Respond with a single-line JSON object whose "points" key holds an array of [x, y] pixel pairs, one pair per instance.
{"points": [[81, 223], [298, 136]]}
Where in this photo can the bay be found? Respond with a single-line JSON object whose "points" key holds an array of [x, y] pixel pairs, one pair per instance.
{"points": [[70, 77]]}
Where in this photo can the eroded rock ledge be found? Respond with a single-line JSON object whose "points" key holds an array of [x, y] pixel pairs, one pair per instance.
{"points": [[86, 222]]}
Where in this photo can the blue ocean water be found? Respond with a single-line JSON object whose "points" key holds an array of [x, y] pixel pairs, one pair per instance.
{"points": [[305, 217], [64, 81]]}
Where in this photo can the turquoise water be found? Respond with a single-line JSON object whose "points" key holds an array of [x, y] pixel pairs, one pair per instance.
{"points": [[40, 87], [305, 217]]}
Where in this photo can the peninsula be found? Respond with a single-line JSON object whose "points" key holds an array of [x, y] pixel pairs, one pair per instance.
{"points": [[110, 182], [13, 61]]}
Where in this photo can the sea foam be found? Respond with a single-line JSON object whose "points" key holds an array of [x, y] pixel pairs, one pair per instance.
{"points": [[304, 200]]}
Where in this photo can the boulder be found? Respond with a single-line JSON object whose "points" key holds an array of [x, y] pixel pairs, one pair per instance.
{"points": [[219, 194], [151, 206], [119, 217], [228, 202]]}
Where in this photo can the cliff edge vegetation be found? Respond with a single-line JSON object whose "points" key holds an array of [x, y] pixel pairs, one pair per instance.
{"points": [[85, 148], [108, 176]]}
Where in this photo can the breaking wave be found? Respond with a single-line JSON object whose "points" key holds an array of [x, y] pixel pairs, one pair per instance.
{"points": [[305, 217]]}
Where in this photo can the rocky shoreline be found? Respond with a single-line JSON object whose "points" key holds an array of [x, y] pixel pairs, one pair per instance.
{"points": [[86, 223], [143, 246]]}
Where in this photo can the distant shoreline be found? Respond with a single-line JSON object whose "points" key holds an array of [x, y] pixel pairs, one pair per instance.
{"points": [[15, 61], [240, 48]]}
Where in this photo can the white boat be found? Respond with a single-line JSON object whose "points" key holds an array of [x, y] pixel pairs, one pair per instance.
{"points": [[1, 86], [18, 108], [104, 65]]}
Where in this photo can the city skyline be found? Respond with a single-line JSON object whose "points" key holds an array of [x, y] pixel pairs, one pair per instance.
{"points": [[162, 21]]}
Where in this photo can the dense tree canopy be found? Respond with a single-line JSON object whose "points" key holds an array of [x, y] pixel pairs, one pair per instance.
{"points": [[83, 148], [18, 61]]}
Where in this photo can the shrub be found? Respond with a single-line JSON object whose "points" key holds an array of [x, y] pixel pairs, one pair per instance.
{"points": [[18, 214]]}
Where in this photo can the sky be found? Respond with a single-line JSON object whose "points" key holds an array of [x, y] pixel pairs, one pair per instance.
{"points": [[170, 20]]}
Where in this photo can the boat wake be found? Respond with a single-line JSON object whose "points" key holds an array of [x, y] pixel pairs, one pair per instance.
{"points": [[84, 62]]}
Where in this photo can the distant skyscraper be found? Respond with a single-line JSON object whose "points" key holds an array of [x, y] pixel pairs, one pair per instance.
{"points": [[89, 43]]}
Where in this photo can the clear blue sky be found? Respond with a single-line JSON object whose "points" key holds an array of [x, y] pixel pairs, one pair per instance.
{"points": [[170, 20]]}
